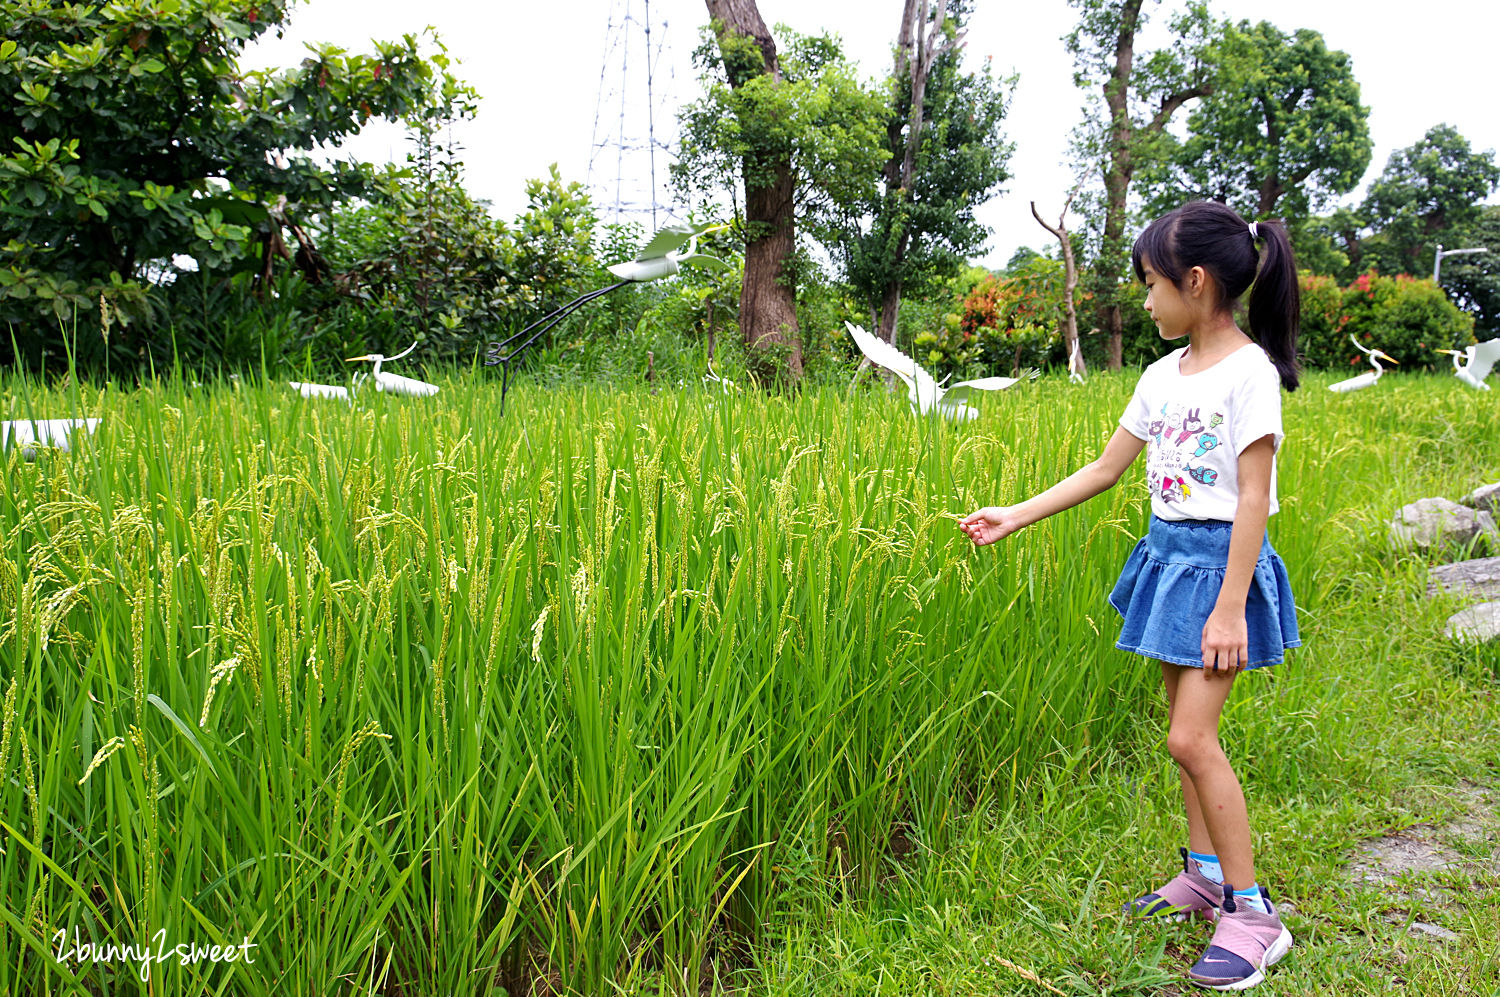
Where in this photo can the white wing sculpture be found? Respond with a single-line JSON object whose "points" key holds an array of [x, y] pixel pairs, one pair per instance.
{"points": [[664, 255], [925, 394]]}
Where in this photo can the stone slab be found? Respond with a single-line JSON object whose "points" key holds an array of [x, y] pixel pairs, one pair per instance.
{"points": [[1477, 623], [1486, 497], [1478, 578], [1431, 522]]}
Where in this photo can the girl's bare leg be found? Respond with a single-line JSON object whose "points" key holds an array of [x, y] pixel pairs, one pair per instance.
{"points": [[1218, 822]]}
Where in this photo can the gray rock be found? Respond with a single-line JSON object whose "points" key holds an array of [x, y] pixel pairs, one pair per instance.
{"points": [[1477, 623], [1486, 498], [1479, 578], [1437, 931], [1429, 522]]}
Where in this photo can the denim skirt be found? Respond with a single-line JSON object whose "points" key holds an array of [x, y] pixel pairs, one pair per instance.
{"points": [[1171, 581]]}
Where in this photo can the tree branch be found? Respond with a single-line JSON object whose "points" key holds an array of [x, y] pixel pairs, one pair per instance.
{"points": [[1171, 103]]}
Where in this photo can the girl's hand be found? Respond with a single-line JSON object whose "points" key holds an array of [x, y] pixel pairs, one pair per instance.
{"points": [[990, 524], [1226, 643]]}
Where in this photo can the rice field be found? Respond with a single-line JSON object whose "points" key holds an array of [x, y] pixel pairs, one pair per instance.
{"points": [[416, 698]]}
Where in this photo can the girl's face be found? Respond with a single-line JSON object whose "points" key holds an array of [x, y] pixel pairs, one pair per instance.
{"points": [[1168, 306]]}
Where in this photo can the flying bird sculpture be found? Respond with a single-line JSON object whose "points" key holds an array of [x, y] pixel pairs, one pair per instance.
{"points": [[1480, 359], [1364, 380], [670, 249], [28, 434], [924, 392]]}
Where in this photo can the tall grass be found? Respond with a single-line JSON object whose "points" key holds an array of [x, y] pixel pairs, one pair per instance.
{"points": [[420, 699]]}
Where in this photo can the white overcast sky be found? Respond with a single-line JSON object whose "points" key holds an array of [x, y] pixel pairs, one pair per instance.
{"points": [[544, 71]]}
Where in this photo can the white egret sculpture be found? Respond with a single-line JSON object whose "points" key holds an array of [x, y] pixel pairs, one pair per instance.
{"points": [[1075, 364], [713, 378], [28, 434], [1481, 359], [1364, 380], [395, 383], [663, 256], [924, 392]]}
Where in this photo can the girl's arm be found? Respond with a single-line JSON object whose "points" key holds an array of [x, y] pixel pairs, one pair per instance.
{"points": [[1225, 640], [997, 522]]}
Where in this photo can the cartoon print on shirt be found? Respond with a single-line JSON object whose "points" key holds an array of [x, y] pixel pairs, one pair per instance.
{"points": [[1179, 435], [1190, 424], [1158, 424], [1203, 475], [1174, 489]]}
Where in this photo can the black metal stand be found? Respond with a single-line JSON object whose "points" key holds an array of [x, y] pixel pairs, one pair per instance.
{"points": [[497, 352]]}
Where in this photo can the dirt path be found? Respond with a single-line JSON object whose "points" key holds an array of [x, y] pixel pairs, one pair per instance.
{"points": [[1424, 865]]}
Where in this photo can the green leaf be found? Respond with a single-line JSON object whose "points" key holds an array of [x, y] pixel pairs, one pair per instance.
{"points": [[233, 209], [151, 65], [183, 729], [7, 49]]}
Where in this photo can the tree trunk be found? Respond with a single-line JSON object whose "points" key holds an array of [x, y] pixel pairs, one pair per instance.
{"points": [[1117, 178], [915, 55], [768, 295], [1122, 136], [890, 308]]}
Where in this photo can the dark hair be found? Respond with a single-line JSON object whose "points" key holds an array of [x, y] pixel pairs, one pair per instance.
{"points": [[1213, 236]]}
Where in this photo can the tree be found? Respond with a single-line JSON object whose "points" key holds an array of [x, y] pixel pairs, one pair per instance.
{"points": [[1070, 281], [944, 156], [1473, 281], [135, 137], [1137, 108], [1284, 126], [803, 137], [1433, 187]]}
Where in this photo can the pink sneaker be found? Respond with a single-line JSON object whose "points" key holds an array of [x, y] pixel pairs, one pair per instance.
{"points": [[1188, 894], [1246, 943]]}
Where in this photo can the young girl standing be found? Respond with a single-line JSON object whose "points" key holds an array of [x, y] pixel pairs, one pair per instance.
{"points": [[1203, 593]]}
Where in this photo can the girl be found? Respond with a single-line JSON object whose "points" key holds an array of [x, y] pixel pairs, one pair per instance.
{"points": [[1203, 592]]}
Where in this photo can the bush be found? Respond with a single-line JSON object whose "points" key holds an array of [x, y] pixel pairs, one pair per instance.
{"points": [[1007, 323], [1407, 318]]}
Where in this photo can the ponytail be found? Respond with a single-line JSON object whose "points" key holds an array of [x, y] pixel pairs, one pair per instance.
{"points": [[1275, 305]]}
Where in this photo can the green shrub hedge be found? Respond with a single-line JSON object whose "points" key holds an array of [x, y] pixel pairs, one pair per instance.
{"points": [[1409, 319]]}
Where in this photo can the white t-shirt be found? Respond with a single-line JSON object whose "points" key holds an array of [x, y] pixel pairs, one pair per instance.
{"points": [[1197, 425]]}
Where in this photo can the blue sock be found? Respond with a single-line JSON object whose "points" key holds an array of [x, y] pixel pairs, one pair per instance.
{"points": [[1209, 866], [1251, 898]]}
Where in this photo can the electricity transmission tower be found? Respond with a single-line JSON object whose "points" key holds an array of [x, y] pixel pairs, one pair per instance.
{"points": [[634, 124]]}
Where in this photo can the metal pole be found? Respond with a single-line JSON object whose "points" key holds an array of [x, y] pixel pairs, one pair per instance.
{"points": [[1437, 259]]}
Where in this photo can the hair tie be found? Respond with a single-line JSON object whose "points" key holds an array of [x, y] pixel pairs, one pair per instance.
{"points": [[1254, 232]]}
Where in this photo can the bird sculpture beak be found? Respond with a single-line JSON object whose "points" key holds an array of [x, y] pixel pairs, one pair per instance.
{"points": [[357, 359], [1387, 358]]}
